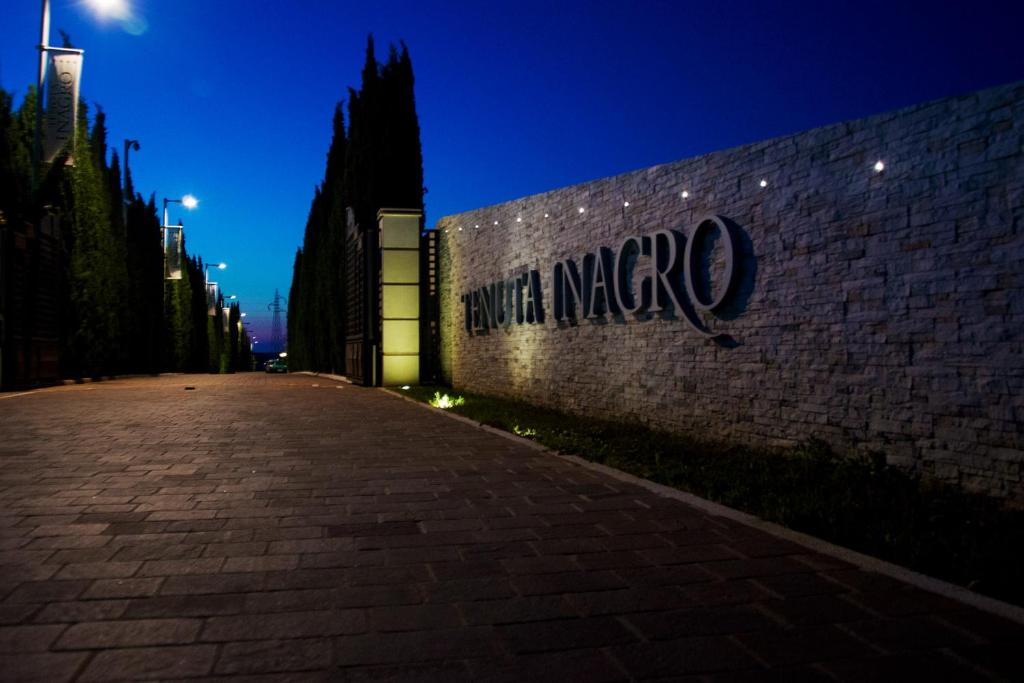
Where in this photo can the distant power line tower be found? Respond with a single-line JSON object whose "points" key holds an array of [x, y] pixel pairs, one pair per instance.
{"points": [[276, 338]]}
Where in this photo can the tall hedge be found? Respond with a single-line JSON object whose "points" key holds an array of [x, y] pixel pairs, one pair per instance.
{"points": [[375, 163]]}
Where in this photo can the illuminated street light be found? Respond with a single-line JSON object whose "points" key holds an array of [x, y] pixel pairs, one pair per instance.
{"points": [[188, 201], [206, 269], [129, 145], [109, 8]]}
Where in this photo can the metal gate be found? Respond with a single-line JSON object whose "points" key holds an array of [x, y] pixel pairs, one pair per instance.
{"points": [[30, 276]]}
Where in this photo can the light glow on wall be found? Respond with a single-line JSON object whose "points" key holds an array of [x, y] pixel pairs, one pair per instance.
{"points": [[878, 167]]}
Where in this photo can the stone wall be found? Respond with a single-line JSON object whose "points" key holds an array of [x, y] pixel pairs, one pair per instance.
{"points": [[877, 310]]}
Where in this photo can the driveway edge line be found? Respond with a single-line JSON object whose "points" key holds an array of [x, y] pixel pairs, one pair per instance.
{"points": [[860, 560]]}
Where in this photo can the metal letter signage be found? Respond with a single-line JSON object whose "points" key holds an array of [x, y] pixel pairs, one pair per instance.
{"points": [[676, 283]]}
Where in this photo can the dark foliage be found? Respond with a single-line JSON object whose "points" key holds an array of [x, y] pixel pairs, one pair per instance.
{"points": [[377, 163], [117, 314]]}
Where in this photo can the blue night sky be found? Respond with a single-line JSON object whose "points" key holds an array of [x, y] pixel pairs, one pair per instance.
{"points": [[232, 100]]}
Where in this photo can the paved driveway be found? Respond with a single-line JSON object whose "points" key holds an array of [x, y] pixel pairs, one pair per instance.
{"points": [[308, 530]]}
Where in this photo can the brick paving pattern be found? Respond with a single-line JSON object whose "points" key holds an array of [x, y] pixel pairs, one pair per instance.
{"points": [[290, 528]]}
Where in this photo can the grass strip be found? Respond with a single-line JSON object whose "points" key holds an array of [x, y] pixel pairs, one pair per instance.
{"points": [[857, 502]]}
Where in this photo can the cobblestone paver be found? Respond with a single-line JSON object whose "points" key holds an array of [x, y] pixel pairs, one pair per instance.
{"points": [[292, 528]]}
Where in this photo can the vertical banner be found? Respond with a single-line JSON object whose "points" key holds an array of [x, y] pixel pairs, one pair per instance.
{"points": [[211, 299], [172, 252], [62, 104]]}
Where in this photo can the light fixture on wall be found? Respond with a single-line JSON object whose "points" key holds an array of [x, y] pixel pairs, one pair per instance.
{"points": [[684, 194], [582, 209]]}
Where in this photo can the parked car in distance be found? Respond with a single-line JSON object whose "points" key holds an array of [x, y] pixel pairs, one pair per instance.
{"points": [[276, 365]]}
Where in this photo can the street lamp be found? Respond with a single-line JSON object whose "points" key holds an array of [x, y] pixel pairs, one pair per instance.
{"points": [[211, 288], [206, 270], [111, 8], [125, 199], [129, 145], [188, 201], [102, 7], [173, 238]]}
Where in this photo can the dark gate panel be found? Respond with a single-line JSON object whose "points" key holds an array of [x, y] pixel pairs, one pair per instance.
{"points": [[355, 308], [362, 298], [29, 306]]}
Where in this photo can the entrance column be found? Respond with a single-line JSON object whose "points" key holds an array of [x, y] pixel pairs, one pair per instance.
{"points": [[399, 296]]}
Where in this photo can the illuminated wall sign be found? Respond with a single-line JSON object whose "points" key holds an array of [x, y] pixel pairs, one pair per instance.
{"points": [[673, 283]]}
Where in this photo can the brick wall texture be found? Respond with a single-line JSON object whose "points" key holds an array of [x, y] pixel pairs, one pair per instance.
{"points": [[882, 311]]}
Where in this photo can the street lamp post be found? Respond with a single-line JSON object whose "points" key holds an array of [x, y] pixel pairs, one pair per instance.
{"points": [[206, 270], [211, 287], [172, 238], [188, 201], [125, 199], [45, 47], [129, 145], [37, 143]]}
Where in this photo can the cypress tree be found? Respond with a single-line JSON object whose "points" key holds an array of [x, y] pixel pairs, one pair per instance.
{"points": [[333, 260], [113, 304], [197, 329], [297, 356], [15, 156], [97, 274], [377, 164]]}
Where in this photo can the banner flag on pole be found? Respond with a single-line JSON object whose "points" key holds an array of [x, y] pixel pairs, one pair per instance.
{"points": [[172, 252], [62, 104], [211, 298]]}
